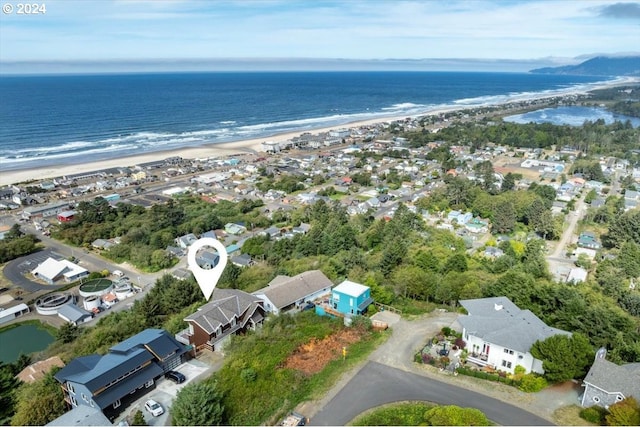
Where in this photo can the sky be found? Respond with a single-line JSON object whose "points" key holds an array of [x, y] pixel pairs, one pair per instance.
{"points": [[168, 34]]}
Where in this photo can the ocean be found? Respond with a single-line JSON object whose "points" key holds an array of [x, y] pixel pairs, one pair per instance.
{"points": [[71, 119]]}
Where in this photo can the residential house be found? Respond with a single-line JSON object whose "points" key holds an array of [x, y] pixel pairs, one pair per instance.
{"points": [[577, 275], [499, 334], [588, 240], [287, 293], [38, 370], [607, 383], [493, 252], [84, 416], [129, 370], [230, 312], [350, 298], [272, 232], [234, 229], [186, 240], [207, 259], [243, 260]]}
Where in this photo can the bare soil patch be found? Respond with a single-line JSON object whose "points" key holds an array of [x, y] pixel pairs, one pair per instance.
{"points": [[312, 357]]}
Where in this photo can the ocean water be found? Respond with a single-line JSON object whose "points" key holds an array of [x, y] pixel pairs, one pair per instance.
{"points": [[48, 120], [571, 115]]}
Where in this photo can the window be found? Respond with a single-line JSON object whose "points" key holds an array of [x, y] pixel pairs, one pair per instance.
{"points": [[596, 399], [619, 398], [74, 402], [116, 404], [506, 364], [84, 397], [149, 383], [91, 403], [70, 388], [520, 356], [506, 350]]}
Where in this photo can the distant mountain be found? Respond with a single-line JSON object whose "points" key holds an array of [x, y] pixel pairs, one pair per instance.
{"points": [[598, 66]]}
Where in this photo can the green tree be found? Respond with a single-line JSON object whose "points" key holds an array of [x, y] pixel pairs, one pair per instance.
{"points": [[8, 386], [563, 357], [138, 419], [198, 404], [624, 413], [508, 183], [39, 402], [67, 332], [504, 218], [456, 416]]}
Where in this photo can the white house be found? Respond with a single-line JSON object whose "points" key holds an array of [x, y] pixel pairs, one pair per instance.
{"points": [[500, 334], [285, 293]]}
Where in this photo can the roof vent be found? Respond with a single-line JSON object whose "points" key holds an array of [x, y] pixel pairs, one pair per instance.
{"points": [[498, 307]]}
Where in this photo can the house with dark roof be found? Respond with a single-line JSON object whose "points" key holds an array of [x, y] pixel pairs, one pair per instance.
{"points": [[230, 312], [607, 383], [129, 370], [285, 293], [500, 335]]}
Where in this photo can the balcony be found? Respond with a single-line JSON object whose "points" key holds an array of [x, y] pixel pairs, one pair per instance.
{"points": [[183, 336]]}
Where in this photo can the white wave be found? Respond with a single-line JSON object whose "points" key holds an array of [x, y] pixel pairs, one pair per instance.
{"points": [[403, 106], [64, 147], [228, 122]]}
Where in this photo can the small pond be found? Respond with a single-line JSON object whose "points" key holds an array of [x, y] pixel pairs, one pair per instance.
{"points": [[571, 115], [26, 338]]}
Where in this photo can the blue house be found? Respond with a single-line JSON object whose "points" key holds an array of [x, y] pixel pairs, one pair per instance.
{"points": [[350, 298], [128, 371]]}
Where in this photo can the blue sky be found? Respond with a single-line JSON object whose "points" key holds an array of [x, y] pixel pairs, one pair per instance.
{"points": [[118, 31]]}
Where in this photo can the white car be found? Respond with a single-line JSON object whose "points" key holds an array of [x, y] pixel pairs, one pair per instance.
{"points": [[154, 407]]}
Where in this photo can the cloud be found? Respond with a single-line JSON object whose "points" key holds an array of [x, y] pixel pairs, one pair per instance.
{"points": [[621, 11]]}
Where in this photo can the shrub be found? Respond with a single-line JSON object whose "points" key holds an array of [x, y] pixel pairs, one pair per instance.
{"points": [[446, 331], [428, 359], [459, 342], [532, 383], [594, 414], [249, 375]]}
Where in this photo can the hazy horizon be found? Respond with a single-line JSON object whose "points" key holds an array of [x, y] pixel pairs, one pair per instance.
{"points": [[74, 36]]}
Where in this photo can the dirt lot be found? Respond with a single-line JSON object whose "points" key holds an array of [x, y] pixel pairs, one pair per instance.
{"points": [[312, 357]]}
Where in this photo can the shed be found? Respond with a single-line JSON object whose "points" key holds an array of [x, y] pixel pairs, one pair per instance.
{"points": [[284, 292]]}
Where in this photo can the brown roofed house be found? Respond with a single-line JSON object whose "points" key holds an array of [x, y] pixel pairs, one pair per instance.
{"points": [[38, 370], [230, 312]]}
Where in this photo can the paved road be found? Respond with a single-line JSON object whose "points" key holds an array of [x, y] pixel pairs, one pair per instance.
{"points": [[376, 384], [17, 271]]}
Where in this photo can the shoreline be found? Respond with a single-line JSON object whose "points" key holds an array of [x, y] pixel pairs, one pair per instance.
{"points": [[254, 145]]}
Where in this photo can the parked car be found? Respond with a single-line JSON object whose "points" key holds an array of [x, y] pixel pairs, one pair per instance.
{"points": [[154, 407], [175, 376]]}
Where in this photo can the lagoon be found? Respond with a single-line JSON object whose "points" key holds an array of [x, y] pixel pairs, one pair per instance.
{"points": [[24, 339], [571, 115]]}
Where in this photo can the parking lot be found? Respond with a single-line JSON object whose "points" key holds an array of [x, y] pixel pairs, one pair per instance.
{"points": [[18, 271], [164, 393]]}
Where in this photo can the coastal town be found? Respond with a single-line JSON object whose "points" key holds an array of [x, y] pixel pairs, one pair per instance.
{"points": [[317, 185]]}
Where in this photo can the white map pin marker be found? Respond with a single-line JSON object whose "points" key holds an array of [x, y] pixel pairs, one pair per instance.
{"points": [[207, 279]]}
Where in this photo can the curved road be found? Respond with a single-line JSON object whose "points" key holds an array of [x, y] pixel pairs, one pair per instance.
{"points": [[376, 384]]}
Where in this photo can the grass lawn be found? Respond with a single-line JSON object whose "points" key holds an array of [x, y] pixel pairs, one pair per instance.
{"points": [[570, 416], [394, 414]]}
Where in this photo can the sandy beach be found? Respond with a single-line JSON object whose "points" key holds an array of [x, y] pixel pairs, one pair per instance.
{"points": [[250, 145]]}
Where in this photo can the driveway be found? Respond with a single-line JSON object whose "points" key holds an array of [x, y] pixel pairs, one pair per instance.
{"points": [[165, 393], [377, 384]]}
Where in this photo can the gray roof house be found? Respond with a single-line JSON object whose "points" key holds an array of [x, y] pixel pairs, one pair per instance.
{"points": [[128, 371], [81, 416], [607, 383], [500, 334], [230, 312], [285, 293]]}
